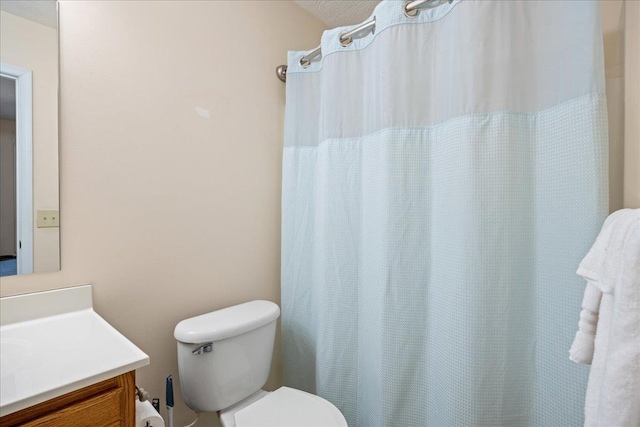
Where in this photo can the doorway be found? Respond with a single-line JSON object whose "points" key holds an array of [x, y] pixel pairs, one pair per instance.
{"points": [[16, 165]]}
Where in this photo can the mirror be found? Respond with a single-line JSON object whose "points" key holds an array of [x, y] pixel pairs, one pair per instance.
{"points": [[29, 206]]}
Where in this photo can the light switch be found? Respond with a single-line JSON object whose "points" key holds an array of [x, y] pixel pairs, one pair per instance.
{"points": [[48, 218]]}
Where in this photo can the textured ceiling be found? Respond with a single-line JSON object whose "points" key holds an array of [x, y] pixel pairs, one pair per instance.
{"points": [[334, 13], [337, 13], [41, 11]]}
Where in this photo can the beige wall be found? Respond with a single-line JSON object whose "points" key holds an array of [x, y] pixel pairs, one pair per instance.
{"points": [[34, 47], [632, 106], [169, 212], [613, 33], [621, 27], [7, 187]]}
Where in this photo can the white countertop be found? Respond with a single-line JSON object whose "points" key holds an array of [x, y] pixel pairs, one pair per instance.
{"points": [[45, 353]]}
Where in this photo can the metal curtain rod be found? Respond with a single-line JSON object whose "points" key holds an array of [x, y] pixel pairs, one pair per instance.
{"points": [[410, 8]]}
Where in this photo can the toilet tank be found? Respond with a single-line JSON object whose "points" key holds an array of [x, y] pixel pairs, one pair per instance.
{"points": [[225, 356]]}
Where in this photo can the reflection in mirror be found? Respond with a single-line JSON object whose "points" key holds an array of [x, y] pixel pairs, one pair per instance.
{"points": [[29, 207]]}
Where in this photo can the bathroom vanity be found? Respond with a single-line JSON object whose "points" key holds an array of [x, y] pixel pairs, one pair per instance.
{"points": [[63, 364]]}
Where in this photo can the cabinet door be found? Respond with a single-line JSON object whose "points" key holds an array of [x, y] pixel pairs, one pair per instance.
{"points": [[109, 403], [102, 410]]}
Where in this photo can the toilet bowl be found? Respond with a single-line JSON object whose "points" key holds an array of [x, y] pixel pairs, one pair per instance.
{"points": [[224, 359], [285, 407]]}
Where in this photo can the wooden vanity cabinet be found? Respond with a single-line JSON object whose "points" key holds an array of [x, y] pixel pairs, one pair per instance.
{"points": [[109, 403]]}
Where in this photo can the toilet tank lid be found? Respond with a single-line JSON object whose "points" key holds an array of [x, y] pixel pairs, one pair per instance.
{"points": [[227, 322]]}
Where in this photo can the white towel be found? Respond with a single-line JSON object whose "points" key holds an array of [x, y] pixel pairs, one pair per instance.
{"points": [[583, 345], [613, 392], [596, 375], [592, 266], [619, 402], [592, 270]]}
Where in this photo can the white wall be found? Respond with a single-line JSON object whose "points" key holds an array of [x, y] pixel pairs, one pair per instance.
{"points": [[34, 47], [169, 212]]}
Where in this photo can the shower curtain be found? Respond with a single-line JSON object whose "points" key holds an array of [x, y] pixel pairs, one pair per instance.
{"points": [[442, 179]]}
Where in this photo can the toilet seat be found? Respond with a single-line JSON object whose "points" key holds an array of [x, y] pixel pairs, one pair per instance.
{"points": [[288, 407]]}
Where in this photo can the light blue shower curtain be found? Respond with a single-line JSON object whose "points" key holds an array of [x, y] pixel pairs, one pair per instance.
{"points": [[442, 179]]}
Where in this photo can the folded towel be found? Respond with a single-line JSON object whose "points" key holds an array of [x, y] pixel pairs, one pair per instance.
{"points": [[619, 397], [616, 254], [583, 344], [613, 267], [598, 364], [596, 268], [592, 266]]}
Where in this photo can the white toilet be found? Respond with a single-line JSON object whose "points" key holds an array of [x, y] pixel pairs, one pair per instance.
{"points": [[224, 358]]}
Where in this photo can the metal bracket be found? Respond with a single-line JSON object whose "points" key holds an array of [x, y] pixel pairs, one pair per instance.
{"points": [[281, 72], [204, 348]]}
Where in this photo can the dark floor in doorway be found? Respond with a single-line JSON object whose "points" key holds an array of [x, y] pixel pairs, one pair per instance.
{"points": [[8, 267]]}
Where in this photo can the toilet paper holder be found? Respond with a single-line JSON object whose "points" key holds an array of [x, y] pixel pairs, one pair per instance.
{"points": [[147, 416]]}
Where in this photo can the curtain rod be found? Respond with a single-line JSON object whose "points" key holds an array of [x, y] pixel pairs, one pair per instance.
{"points": [[410, 8]]}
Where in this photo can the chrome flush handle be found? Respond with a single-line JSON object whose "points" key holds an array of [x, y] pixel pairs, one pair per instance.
{"points": [[204, 348]]}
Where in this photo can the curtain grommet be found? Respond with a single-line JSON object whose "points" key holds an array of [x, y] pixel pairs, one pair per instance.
{"points": [[409, 13], [345, 41], [304, 62]]}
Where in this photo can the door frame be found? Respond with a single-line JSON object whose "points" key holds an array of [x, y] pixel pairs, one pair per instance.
{"points": [[24, 165]]}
